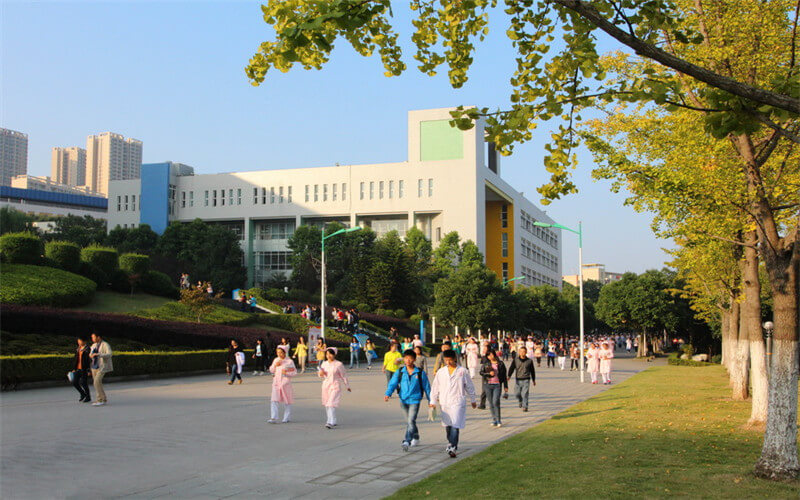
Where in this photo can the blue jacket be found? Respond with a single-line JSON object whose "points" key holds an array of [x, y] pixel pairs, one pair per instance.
{"points": [[411, 386]]}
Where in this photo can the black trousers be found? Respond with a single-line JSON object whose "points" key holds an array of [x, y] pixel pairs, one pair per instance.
{"points": [[551, 361], [260, 364], [573, 363], [81, 383]]}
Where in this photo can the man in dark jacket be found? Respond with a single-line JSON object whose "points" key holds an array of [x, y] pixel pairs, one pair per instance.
{"points": [[526, 373], [80, 370]]}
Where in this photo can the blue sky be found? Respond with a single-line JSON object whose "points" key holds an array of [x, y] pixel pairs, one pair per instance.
{"points": [[172, 75]]}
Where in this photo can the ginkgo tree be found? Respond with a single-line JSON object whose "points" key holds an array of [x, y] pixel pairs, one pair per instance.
{"points": [[732, 62]]}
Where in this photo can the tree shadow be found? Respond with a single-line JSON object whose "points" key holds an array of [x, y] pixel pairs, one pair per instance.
{"points": [[582, 413]]}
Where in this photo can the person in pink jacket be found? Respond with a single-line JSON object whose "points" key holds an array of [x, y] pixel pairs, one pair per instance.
{"points": [[283, 369], [333, 373], [593, 362], [606, 354]]}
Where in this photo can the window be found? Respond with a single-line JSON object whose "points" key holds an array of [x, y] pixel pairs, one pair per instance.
{"points": [[438, 232], [380, 190], [505, 271], [183, 199], [288, 194], [275, 230], [191, 198], [263, 196], [206, 198], [371, 190], [324, 192], [126, 202], [333, 192], [307, 192], [430, 187], [272, 195], [280, 194], [391, 189], [400, 186], [271, 261], [222, 197], [361, 195], [238, 196], [504, 216], [344, 192], [119, 203], [504, 247], [255, 196], [133, 202], [419, 188], [230, 197], [316, 192]]}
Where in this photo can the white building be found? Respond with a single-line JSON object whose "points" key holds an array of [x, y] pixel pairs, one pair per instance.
{"points": [[68, 166], [13, 155], [450, 182], [48, 184], [596, 272], [111, 157]]}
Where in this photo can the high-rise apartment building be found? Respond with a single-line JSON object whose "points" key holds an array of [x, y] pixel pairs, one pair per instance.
{"points": [[68, 166], [111, 157], [593, 272], [13, 155]]}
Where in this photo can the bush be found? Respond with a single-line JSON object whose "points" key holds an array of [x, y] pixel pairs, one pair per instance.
{"points": [[134, 264], [120, 281], [299, 295], [107, 259], [64, 254], [414, 320], [275, 294], [44, 286], [94, 273], [674, 359], [688, 349], [399, 313], [350, 304], [384, 312], [21, 248], [158, 283], [716, 359], [364, 308]]}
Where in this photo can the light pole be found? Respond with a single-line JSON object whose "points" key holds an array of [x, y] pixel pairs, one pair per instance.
{"points": [[769, 326], [579, 232], [322, 285]]}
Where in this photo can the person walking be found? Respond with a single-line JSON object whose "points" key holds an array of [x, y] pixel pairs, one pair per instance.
{"points": [[355, 347], [593, 362], [495, 380], [574, 355], [100, 354], [538, 352], [369, 353], [286, 346], [80, 370], [252, 302], [446, 346], [301, 353], [319, 351], [606, 354], [235, 362], [260, 357], [420, 361], [282, 393], [551, 355], [451, 386], [413, 384], [391, 361], [473, 358], [332, 371], [562, 356], [522, 366]]}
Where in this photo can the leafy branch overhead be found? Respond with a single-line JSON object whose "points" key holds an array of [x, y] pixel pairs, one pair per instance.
{"points": [[673, 63]]}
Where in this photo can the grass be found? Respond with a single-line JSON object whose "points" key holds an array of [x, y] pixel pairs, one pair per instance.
{"points": [[671, 430], [113, 302], [177, 311], [43, 286]]}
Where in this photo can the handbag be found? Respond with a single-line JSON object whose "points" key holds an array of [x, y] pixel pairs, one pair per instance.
{"points": [[71, 377], [432, 414]]}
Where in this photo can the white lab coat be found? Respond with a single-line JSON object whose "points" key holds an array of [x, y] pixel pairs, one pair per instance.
{"points": [[239, 362], [450, 392]]}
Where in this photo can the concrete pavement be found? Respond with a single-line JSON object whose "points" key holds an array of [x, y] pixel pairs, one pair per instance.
{"points": [[197, 437]]}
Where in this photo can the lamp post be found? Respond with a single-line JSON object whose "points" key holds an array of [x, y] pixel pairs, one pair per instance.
{"points": [[769, 326], [579, 232], [506, 282], [322, 285]]}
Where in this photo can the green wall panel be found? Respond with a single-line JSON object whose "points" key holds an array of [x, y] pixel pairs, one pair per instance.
{"points": [[440, 141]]}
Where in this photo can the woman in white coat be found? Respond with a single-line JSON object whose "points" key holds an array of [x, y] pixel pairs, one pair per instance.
{"points": [[473, 357], [332, 371], [593, 362], [606, 354], [451, 386]]}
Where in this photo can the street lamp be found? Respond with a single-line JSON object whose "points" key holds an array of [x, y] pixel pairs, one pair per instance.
{"points": [[769, 326], [322, 287], [579, 232], [506, 282]]}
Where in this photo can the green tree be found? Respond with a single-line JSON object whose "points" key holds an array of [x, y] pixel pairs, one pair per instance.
{"points": [[83, 231], [140, 239], [471, 297]]}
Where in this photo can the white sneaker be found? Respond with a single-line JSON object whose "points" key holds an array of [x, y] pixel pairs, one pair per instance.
{"points": [[414, 442], [98, 403], [499, 424], [272, 421], [405, 446]]}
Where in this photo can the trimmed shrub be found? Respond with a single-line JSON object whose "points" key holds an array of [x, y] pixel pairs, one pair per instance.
{"points": [[364, 308], [158, 283], [399, 313], [105, 258], [674, 359], [716, 359], [383, 312], [414, 320], [44, 286], [21, 248], [120, 281], [94, 273], [275, 294], [134, 264], [64, 254]]}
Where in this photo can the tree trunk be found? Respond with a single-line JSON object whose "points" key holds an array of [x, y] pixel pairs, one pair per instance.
{"points": [[739, 373], [643, 344], [725, 324], [751, 317]]}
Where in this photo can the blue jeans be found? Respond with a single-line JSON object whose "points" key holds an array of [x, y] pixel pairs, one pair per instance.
{"points": [[354, 357], [452, 436], [410, 411], [522, 389], [493, 395]]}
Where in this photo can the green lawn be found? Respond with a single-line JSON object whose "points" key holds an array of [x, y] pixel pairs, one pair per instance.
{"points": [[113, 302], [670, 430]]}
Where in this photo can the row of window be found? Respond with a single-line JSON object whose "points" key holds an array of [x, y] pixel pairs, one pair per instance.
{"points": [[273, 261], [126, 203], [544, 234], [323, 192], [274, 230], [533, 278], [274, 195], [539, 255]]}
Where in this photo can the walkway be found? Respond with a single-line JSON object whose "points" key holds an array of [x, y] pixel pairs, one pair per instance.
{"points": [[197, 437]]}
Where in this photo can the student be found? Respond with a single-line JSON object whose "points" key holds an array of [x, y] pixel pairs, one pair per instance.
{"points": [[562, 356], [100, 355], [606, 354], [369, 352], [525, 374], [494, 376], [286, 346], [235, 362], [333, 373], [593, 361], [413, 384], [283, 369], [80, 370], [574, 355], [319, 351], [242, 300], [451, 386], [301, 353], [253, 303], [420, 362], [473, 357], [417, 342], [551, 355], [446, 346], [355, 347], [260, 357], [391, 361]]}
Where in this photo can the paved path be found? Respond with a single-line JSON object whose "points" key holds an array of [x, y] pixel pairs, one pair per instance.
{"points": [[197, 437]]}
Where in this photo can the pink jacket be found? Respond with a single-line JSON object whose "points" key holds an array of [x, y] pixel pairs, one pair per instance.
{"points": [[334, 377], [281, 383]]}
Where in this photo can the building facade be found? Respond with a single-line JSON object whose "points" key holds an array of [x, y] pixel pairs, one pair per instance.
{"points": [[450, 182], [111, 157], [596, 272], [48, 184], [68, 166], [37, 202], [13, 155]]}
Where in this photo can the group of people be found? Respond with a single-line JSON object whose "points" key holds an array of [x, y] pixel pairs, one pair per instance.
{"points": [[247, 302], [91, 361], [184, 283]]}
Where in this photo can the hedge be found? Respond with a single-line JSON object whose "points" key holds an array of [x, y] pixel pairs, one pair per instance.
{"points": [[105, 258], [64, 254], [21, 248], [43, 286], [177, 311], [134, 263], [94, 273], [673, 359], [158, 283]]}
